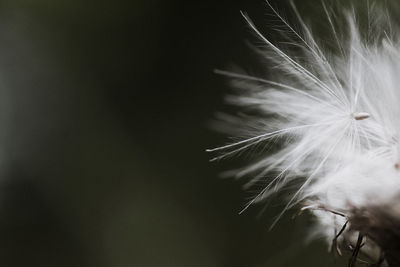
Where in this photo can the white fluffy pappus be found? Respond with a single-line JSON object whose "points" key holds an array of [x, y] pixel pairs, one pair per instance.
{"points": [[335, 114]]}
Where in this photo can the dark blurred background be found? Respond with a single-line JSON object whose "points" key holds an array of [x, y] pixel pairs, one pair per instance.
{"points": [[105, 114]]}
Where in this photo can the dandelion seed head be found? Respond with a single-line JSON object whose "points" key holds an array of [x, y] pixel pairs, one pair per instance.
{"points": [[336, 115]]}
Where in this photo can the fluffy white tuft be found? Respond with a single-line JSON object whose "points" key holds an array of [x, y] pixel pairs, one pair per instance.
{"points": [[334, 114]]}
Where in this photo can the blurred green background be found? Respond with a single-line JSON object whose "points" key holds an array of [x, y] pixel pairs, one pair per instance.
{"points": [[105, 113]]}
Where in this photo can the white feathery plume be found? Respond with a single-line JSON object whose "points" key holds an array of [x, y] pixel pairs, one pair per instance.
{"points": [[335, 116]]}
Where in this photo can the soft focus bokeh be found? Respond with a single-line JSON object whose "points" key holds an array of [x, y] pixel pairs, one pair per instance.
{"points": [[106, 109]]}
